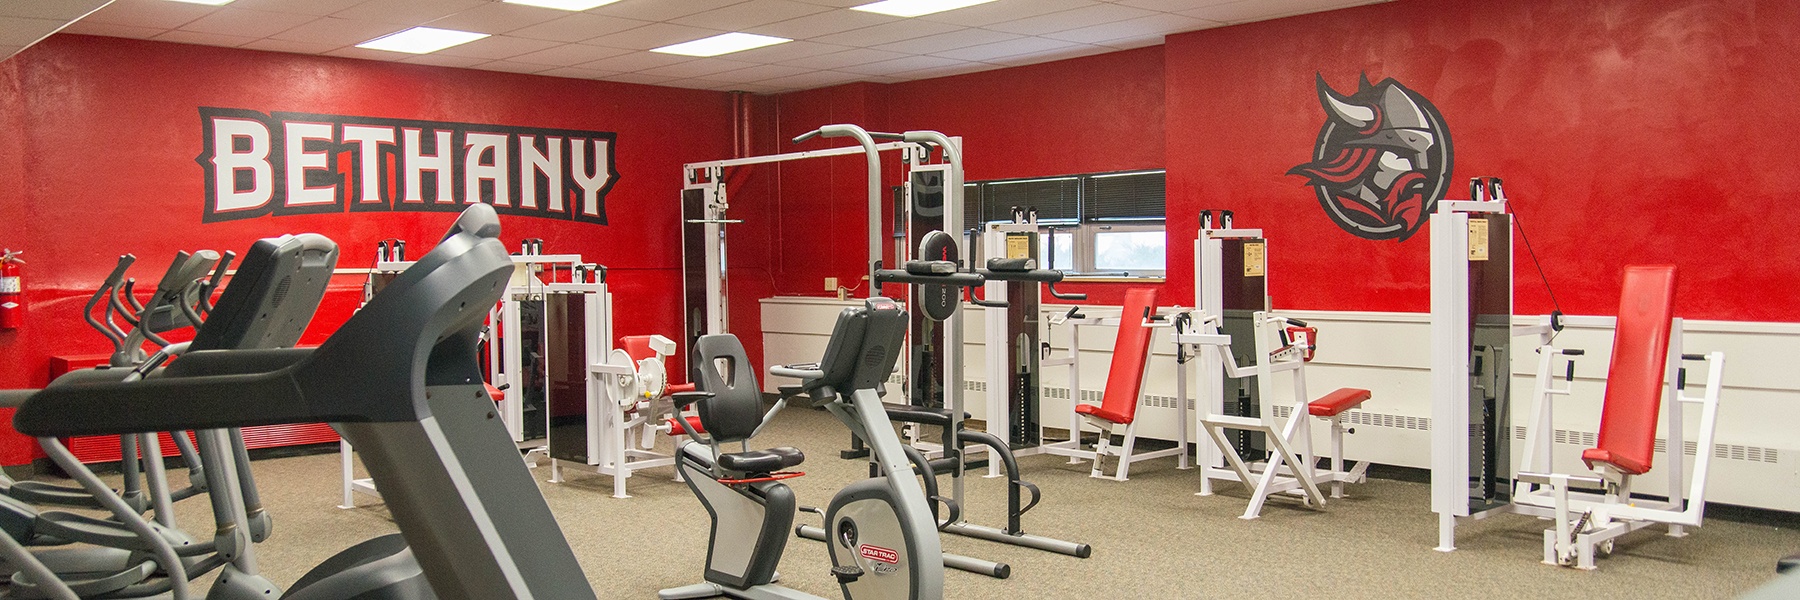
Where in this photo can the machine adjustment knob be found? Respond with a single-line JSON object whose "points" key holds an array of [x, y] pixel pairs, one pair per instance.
{"points": [[847, 574]]}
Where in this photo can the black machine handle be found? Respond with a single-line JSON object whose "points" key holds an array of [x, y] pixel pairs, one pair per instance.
{"points": [[901, 276], [973, 299], [1066, 295]]}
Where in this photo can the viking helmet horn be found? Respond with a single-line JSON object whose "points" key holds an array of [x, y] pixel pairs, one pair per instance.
{"points": [[1341, 109]]}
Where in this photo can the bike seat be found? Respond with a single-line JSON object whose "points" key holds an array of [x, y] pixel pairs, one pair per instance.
{"points": [[761, 461]]}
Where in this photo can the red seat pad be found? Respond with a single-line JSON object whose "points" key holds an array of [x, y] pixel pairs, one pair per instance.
{"points": [[1336, 402], [1634, 383], [1099, 411], [1126, 378]]}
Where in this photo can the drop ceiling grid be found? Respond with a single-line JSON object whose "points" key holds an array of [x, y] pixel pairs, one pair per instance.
{"points": [[833, 44]]}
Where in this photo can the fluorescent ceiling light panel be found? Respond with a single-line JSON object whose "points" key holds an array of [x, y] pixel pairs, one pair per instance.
{"points": [[207, 2], [724, 43], [914, 8], [421, 40], [562, 4]]}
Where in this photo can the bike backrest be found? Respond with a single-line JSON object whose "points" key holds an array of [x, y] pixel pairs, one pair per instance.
{"points": [[722, 369]]}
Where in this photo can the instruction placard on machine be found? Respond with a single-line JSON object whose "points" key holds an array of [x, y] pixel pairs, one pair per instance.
{"points": [[1018, 245], [1253, 259], [1478, 239]]}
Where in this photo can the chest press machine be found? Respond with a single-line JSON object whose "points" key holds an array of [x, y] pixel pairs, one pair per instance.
{"points": [[560, 385], [1471, 275], [1232, 326]]}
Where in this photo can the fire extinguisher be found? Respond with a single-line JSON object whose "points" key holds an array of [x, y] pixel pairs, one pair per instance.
{"points": [[12, 290]]}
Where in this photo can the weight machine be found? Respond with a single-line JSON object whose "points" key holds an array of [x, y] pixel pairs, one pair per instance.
{"points": [[1472, 330], [1236, 336], [560, 386]]}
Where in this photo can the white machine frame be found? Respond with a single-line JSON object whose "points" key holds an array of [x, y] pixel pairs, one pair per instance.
{"points": [[1292, 467], [1450, 366]]}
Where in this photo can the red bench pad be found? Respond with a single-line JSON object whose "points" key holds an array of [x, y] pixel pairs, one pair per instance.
{"points": [[494, 393], [1336, 402], [1634, 383], [1125, 380]]}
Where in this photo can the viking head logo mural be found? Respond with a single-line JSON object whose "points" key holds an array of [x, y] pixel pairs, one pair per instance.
{"points": [[1382, 160]]}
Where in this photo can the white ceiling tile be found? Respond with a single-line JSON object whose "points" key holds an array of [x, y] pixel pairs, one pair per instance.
{"points": [[822, 24], [317, 8], [1071, 19], [338, 32], [1140, 42], [854, 56], [578, 73], [815, 79], [248, 23], [160, 14], [794, 50], [962, 69], [654, 35], [696, 68], [757, 73], [838, 3], [1154, 25], [1025, 45], [567, 55], [691, 84], [21, 31], [578, 27], [902, 65], [982, 15], [1171, 5], [203, 39], [86, 27], [749, 14], [497, 17], [887, 33], [367, 54], [1245, 11], [1074, 51], [406, 12], [290, 46], [512, 67], [660, 10], [65, 10], [640, 78], [637, 61], [497, 47], [961, 38], [443, 60]]}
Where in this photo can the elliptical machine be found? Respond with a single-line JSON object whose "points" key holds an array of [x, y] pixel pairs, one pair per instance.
{"points": [[883, 539]]}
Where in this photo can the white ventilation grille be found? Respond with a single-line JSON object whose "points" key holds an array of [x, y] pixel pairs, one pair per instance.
{"points": [[1371, 419], [1587, 439]]}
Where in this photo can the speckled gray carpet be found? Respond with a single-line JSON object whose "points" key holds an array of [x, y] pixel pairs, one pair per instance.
{"points": [[1152, 537]]}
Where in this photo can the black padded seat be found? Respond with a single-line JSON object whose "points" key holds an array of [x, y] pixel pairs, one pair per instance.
{"points": [[924, 415], [761, 461]]}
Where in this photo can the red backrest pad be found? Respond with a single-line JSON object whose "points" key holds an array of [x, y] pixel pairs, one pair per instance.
{"points": [[1130, 350], [638, 346], [1640, 356]]}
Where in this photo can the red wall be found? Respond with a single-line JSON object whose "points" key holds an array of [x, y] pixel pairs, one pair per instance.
{"points": [[1628, 131], [112, 130]]}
